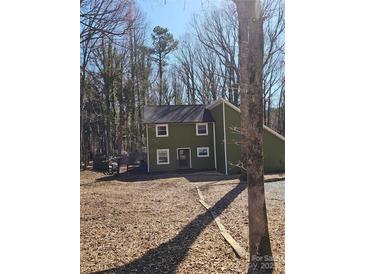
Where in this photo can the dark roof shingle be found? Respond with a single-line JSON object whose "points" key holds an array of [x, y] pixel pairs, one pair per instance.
{"points": [[176, 114]]}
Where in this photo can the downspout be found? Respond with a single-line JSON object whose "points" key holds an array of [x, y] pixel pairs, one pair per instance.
{"points": [[215, 150], [224, 136], [148, 152]]}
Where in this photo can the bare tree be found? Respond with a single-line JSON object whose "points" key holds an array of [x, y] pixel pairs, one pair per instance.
{"points": [[115, 70], [206, 74], [176, 87], [98, 18], [251, 44], [281, 110], [115, 67], [186, 58], [273, 64], [217, 32]]}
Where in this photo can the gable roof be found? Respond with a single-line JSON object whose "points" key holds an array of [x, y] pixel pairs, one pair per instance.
{"points": [[221, 100], [176, 114]]}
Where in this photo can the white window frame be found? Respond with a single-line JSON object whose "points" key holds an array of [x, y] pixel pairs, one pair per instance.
{"points": [[202, 156], [201, 124], [168, 156], [162, 125]]}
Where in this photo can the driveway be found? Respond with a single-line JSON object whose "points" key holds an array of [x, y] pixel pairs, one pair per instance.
{"points": [[156, 224]]}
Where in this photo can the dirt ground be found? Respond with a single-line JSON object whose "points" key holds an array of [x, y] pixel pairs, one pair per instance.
{"points": [[155, 224]]}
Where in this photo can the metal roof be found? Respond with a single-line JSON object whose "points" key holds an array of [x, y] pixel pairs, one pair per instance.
{"points": [[176, 114]]}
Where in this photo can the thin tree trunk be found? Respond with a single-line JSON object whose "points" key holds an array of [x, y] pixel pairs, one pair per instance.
{"points": [[120, 102], [83, 153], [160, 77], [265, 112], [120, 130], [82, 137], [268, 111], [281, 115], [251, 60]]}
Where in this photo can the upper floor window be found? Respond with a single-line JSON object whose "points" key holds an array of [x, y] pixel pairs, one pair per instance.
{"points": [[162, 130], [201, 129]]}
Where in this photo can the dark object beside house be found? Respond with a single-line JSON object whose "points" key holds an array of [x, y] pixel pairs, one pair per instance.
{"points": [[107, 166], [138, 167], [137, 162], [100, 162]]}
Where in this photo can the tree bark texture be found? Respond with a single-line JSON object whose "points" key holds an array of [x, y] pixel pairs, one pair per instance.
{"points": [[251, 61]]}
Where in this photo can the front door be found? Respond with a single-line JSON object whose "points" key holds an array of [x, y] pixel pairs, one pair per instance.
{"points": [[183, 158]]}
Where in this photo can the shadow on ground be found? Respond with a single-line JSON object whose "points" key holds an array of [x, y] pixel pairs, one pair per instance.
{"points": [[167, 257], [192, 177]]}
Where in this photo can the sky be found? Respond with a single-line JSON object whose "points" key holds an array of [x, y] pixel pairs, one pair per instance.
{"points": [[175, 14]]}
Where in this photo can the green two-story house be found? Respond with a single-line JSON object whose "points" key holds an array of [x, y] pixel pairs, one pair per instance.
{"points": [[200, 137]]}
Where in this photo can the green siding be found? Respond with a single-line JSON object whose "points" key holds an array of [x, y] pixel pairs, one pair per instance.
{"points": [[274, 147], [233, 139], [183, 135], [180, 136], [217, 114], [274, 153]]}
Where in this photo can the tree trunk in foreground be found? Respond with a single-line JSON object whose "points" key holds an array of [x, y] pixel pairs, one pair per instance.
{"points": [[251, 62]]}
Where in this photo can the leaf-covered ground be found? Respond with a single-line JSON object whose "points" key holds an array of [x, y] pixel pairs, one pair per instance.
{"points": [[156, 224]]}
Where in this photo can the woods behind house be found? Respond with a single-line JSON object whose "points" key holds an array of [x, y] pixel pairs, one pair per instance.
{"points": [[125, 66]]}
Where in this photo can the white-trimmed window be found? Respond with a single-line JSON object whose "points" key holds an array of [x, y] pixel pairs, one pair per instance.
{"points": [[201, 129], [163, 156], [162, 130], [202, 152]]}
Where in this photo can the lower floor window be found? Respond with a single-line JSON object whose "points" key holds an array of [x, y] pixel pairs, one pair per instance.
{"points": [[163, 156], [203, 151]]}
